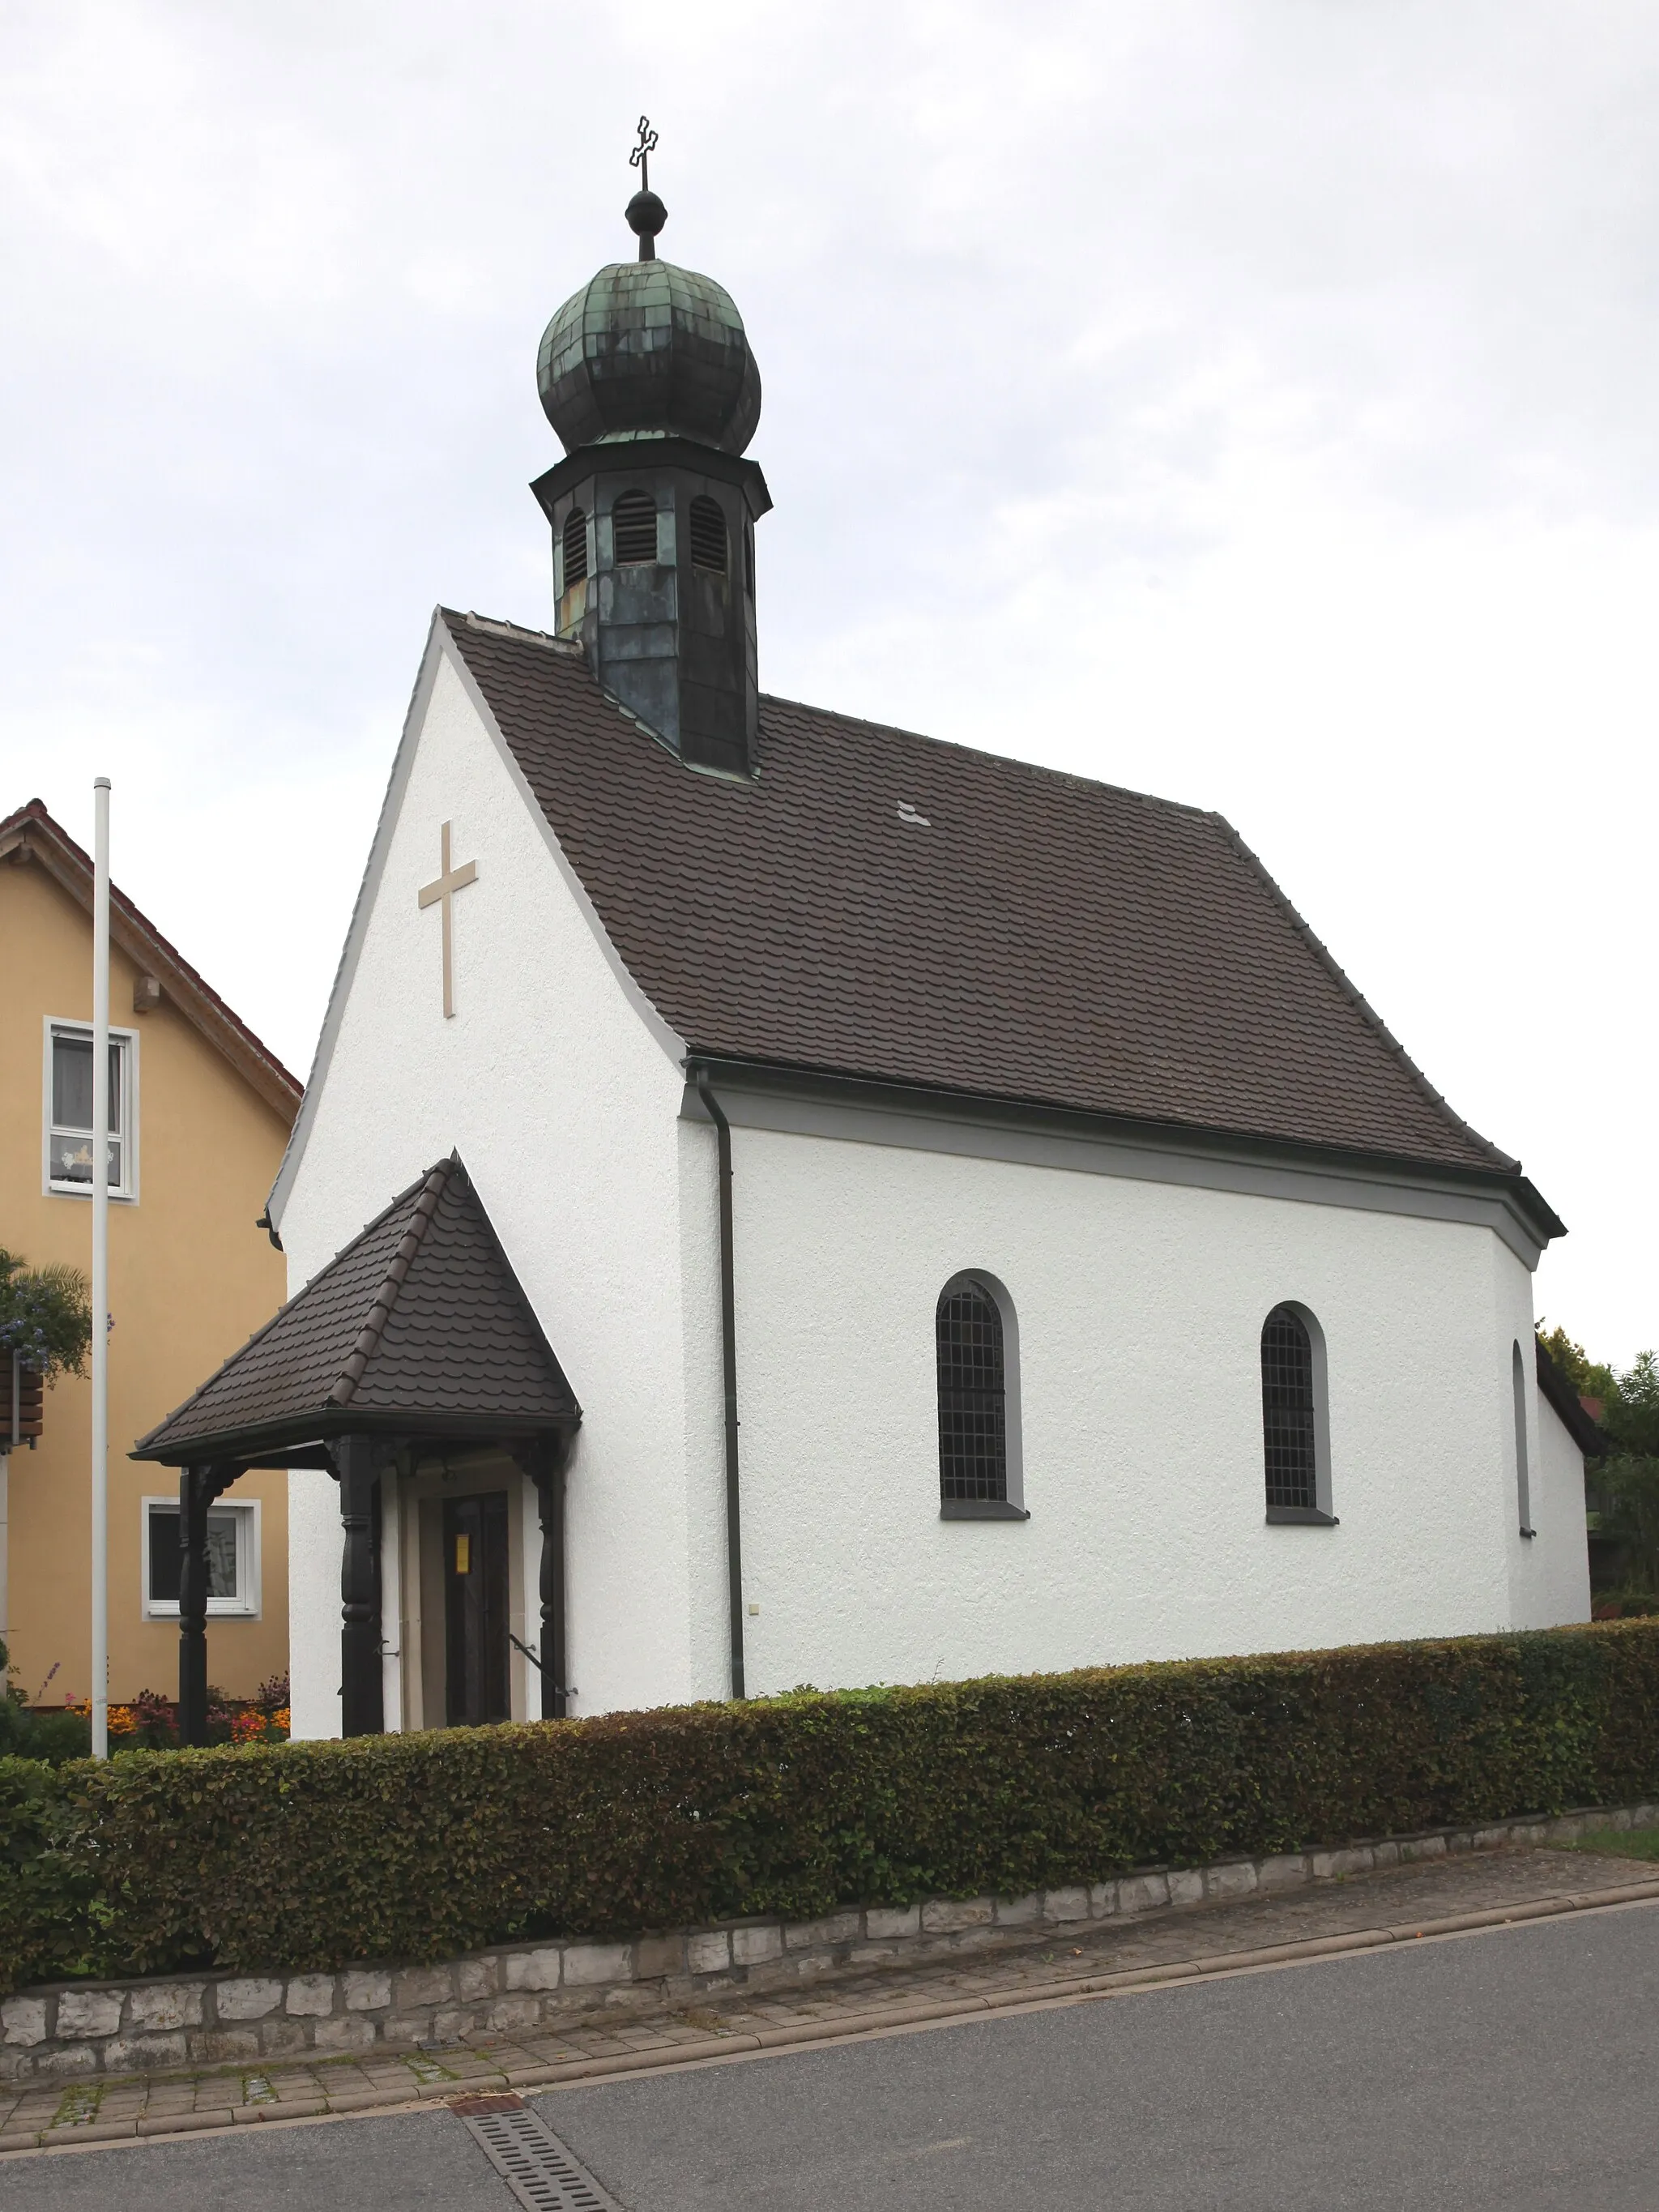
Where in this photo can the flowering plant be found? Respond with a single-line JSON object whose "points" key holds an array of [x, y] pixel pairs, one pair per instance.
{"points": [[46, 1317]]}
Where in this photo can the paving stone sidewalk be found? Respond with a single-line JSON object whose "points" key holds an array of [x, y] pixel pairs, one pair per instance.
{"points": [[47, 2114]]}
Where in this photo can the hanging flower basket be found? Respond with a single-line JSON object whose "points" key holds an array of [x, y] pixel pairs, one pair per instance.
{"points": [[46, 1330], [22, 1411]]}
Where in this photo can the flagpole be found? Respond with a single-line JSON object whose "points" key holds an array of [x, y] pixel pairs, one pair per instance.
{"points": [[100, 1270]]}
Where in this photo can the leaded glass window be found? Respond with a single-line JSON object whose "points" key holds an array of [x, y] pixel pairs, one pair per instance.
{"points": [[1522, 1468], [973, 1417], [1288, 1410]]}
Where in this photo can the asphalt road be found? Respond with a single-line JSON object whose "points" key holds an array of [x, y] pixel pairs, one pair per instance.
{"points": [[1515, 2069]]}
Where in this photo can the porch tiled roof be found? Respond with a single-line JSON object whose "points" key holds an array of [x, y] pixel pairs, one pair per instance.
{"points": [[419, 1322]]}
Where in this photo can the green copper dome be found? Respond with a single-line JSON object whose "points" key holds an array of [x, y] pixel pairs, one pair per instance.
{"points": [[646, 349]]}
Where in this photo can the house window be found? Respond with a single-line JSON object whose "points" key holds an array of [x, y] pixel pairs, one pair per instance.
{"points": [[634, 527], [708, 535], [574, 544], [1295, 1428], [978, 1408], [1522, 1465], [68, 1105], [232, 1548]]}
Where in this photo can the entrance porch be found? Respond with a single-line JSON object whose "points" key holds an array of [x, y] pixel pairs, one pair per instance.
{"points": [[413, 1371]]}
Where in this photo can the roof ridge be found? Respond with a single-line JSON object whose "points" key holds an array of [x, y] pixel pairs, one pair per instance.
{"points": [[1368, 1012], [571, 650], [368, 1336], [498, 626], [1068, 775]]}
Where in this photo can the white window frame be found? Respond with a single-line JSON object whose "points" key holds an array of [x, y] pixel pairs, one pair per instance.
{"points": [[127, 1193], [250, 1578]]}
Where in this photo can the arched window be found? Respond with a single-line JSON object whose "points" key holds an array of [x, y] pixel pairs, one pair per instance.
{"points": [[634, 527], [575, 547], [1522, 1465], [973, 1396], [708, 535], [1294, 1423]]}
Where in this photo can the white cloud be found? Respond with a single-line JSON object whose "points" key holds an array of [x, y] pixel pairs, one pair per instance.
{"points": [[1255, 405]]}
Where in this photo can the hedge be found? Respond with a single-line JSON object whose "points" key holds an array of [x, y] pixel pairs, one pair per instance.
{"points": [[307, 1856]]}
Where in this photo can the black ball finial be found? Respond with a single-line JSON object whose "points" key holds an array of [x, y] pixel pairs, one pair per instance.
{"points": [[646, 216]]}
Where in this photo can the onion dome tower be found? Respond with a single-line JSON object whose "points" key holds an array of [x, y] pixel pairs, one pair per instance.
{"points": [[646, 375]]}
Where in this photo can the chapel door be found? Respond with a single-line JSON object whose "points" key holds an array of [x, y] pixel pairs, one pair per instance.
{"points": [[475, 1608]]}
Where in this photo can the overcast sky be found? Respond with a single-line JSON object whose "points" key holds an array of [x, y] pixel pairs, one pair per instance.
{"points": [[1251, 402]]}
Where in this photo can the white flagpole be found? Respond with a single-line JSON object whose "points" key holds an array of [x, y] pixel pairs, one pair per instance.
{"points": [[100, 1271]]}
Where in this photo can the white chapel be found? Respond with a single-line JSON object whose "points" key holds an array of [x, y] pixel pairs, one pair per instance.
{"points": [[779, 1199]]}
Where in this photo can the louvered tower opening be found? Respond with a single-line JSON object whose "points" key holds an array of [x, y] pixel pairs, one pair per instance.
{"points": [[634, 527], [708, 535], [575, 547]]}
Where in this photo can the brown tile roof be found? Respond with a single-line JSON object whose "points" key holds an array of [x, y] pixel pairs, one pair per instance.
{"points": [[1043, 938], [31, 834], [418, 1324]]}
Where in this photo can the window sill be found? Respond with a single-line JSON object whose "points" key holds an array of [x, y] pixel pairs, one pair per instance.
{"points": [[1301, 1516], [979, 1509], [218, 1608], [84, 1190]]}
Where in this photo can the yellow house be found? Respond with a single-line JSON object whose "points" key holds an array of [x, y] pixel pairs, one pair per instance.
{"points": [[200, 1114]]}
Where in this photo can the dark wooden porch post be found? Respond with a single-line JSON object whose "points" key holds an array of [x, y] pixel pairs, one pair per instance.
{"points": [[547, 1472], [361, 1707], [197, 1487]]}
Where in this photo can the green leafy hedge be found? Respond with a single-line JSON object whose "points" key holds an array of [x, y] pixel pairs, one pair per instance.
{"points": [[308, 1855]]}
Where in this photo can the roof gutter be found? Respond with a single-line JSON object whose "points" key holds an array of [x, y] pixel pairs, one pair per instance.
{"points": [[729, 1362], [783, 1085]]}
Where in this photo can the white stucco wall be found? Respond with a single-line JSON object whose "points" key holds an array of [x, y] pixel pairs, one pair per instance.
{"points": [[1558, 1569], [1140, 1306], [563, 1100]]}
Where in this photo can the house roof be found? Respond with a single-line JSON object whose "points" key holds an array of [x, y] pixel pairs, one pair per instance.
{"points": [[1586, 1433], [32, 835], [417, 1326], [880, 905]]}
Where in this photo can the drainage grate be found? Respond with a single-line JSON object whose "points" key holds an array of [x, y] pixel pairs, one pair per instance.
{"points": [[541, 2173]]}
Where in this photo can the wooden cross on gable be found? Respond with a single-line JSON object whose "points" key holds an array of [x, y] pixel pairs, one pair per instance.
{"points": [[450, 880]]}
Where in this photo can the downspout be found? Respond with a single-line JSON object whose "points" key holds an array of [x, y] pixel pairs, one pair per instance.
{"points": [[729, 1360]]}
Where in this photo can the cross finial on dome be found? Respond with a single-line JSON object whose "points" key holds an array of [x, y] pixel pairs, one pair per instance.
{"points": [[645, 212]]}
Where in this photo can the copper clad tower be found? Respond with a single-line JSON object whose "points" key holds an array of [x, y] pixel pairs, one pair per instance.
{"points": [[647, 376]]}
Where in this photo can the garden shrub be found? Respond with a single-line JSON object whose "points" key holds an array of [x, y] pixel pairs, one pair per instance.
{"points": [[307, 1856], [26, 1732]]}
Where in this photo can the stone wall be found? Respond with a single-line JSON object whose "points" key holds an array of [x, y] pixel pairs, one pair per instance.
{"points": [[66, 2029]]}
